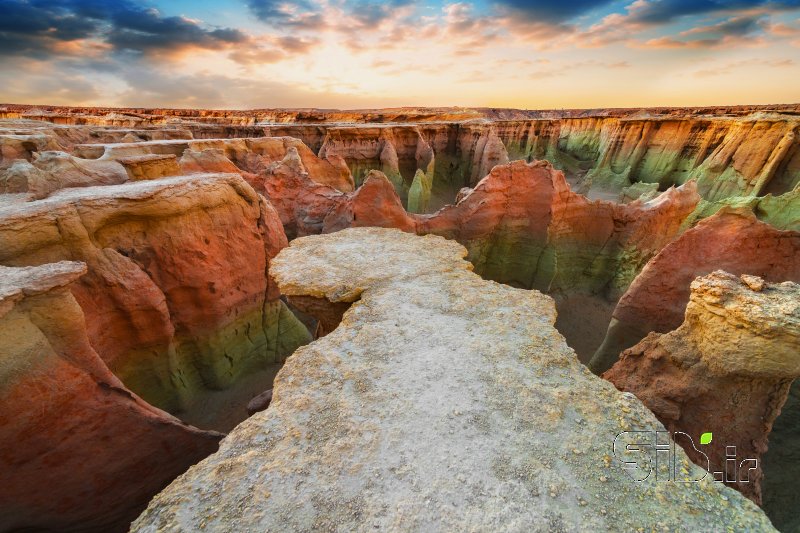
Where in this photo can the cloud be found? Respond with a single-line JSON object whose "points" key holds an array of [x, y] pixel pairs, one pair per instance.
{"points": [[27, 82], [736, 31], [659, 12], [737, 26], [743, 64], [716, 23], [549, 11], [147, 31], [370, 14], [266, 50], [297, 14], [39, 28]]}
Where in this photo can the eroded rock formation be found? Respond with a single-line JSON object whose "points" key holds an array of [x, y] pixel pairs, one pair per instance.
{"points": [[78, 450], [725, 370], [423, 411], [521, 224], [177, 298], [734, 241]]}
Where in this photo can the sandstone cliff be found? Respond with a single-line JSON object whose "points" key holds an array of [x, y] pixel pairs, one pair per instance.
{"points": [[725, 370], [78, 450], [656, 300], [729, 157], [177, 298]]}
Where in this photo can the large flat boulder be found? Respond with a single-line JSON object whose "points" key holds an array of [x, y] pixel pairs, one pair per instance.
{"points": [[442, 402]]}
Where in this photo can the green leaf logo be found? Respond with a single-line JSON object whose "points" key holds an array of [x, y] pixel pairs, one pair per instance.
{"points": [[705, 438]]}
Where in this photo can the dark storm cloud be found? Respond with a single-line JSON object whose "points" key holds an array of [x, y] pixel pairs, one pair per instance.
{"points": [[301, 14], [35, 27], [552, 11], [297, 14], [664, 11], [145, 30], [374, 13]]}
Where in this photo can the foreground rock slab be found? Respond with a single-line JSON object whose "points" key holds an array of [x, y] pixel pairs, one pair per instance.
{"points": [[442, 402]]}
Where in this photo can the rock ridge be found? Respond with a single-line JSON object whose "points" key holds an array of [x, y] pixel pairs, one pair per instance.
{"points": [[423, 411]]}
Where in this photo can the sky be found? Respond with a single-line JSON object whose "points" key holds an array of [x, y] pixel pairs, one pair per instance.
{"points": [[548, 54]]}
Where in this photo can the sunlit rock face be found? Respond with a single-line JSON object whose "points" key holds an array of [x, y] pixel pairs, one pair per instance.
{"points": [[177, 274], [725, 370], [423, 411], [731, 240], [521, 224], [80, 451], [601, 156]]}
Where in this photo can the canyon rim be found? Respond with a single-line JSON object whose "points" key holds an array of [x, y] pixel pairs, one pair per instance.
{"points": [[399, 266]]}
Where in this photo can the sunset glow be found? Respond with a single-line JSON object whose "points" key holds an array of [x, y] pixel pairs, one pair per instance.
{"points": [[349, 54]]}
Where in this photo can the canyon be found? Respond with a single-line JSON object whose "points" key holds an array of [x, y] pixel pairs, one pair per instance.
{"points": [[418, 302]]}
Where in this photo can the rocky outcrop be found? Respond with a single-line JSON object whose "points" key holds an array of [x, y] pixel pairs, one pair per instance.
{"points": [[227, 155], [728, 157], [178, 298], [150, 167], [521, 224], [781, 212], [424, 411], [398, 152], [22, 146], [726, 371], [419, 195], [524, 226], [51, 171], [734, 241], [746, 152], [205, 161], [78, 450], [301, 203]]}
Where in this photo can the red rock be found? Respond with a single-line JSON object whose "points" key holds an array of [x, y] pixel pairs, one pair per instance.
{"points": [[178, 298], [259, 403], [726, 370], [733, 241], [78, 450]]}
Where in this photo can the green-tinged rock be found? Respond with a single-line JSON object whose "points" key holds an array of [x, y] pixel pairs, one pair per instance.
{"points": [[639, 191], [419, 196], [782, 212]]}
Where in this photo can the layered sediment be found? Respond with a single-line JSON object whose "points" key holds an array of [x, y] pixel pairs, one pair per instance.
{"points": [[731, 153], [521, 224], [734, 241], [79, 450], [177, 297], [178, 214], [423, 411]]}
